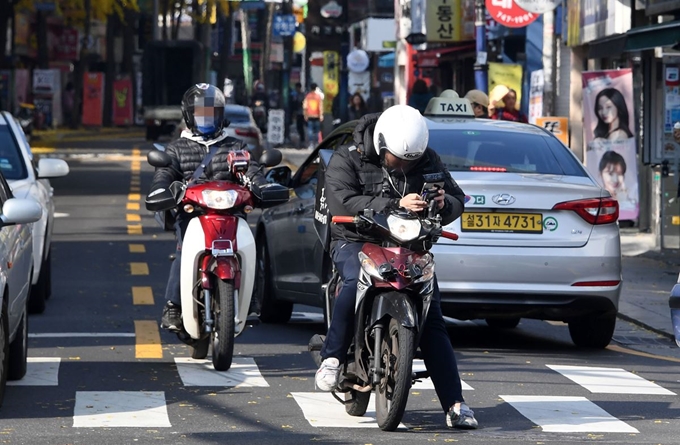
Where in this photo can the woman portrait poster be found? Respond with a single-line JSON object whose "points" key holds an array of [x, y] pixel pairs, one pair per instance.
{"points": [[609, 126]]}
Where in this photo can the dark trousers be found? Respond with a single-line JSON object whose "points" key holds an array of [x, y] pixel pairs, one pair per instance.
{"points": [[172, 290], [435, 344], [300, 124]]}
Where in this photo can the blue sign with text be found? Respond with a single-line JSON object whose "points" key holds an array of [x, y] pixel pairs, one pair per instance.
{"points": [[284, 25]]}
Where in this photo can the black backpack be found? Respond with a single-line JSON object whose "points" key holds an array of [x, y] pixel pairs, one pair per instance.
{"points": [[322, 217]]}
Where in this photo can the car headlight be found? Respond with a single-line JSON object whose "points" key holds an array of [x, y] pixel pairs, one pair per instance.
{"points": [[220, 199], [403, 229], [369, 266], [426, 265]]}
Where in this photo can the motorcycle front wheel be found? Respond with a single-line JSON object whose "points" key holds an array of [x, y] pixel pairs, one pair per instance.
{"points": [[391, 395], [223, 335]]}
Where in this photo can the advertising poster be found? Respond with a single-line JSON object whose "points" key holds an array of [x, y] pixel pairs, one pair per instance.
{"points": [[21, 84], [122, 101], [609, 134], [536, 95], [331, 78], [671, 125], [93, 95], [506, 74]]}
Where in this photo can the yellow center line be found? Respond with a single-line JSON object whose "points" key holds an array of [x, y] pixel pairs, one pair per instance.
{"points": [[134, 181], [134, 188], [142, 295], [139, 269], [133, 217], [618, 348], [134, 229], [137, 248], [147, 339], [134, 197], [132, 206], [42, 150]]}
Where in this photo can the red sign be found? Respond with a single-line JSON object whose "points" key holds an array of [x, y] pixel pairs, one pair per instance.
{"points": [[93, 94], [122, 102], [507, 13]]}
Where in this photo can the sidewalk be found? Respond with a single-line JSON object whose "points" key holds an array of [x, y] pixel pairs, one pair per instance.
{"points": [[648, 277]]}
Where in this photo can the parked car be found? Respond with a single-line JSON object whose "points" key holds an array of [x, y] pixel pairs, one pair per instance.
{"points": [[539, 237], [241, 126], [29, 178], [16, 251]]}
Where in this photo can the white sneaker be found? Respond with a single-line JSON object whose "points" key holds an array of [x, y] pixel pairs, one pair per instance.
{"points": [[327, 375]]}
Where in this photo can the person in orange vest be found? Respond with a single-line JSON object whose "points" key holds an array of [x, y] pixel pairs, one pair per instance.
{"points": [[312, 107]]}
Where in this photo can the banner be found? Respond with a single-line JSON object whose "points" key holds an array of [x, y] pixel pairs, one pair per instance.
{"points": [[536, 95], [93, 95], [331, 78], [609, 133], [122, 101], [506, 74], [559, 126]]}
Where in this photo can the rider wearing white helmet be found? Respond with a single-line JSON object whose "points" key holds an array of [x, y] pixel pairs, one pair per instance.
{"points": [[386, 168]]}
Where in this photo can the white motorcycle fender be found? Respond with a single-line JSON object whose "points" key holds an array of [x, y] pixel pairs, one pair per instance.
{"points": [[193, 247]]}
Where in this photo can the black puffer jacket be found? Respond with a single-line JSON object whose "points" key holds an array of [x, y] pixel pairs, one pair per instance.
{"points": [[354, 182], [188, 153]]}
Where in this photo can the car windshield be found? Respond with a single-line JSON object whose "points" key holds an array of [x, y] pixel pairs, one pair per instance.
{"points": [[237, 116], [468, 150], [11, 162]]}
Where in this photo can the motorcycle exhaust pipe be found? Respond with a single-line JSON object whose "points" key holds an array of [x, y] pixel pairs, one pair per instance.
{"points": [[355, 387]]}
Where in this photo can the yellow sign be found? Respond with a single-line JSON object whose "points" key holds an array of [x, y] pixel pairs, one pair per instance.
{"points": [[506, 74], [331, 77], [443, 20], [559, 126], [299, 42]]}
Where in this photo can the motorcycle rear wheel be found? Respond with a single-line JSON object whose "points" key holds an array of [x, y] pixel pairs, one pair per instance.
{"points": [[222, 337], [359, 402], [199, 350], [391, 395]]}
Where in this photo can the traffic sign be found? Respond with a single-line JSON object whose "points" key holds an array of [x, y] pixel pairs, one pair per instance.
{"points": [[276, 125], [284, 25]]}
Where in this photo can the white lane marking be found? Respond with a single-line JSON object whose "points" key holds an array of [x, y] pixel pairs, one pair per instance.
{"points": [[558, 414], [243, 373], [609, 380], [120, 409], [322, 410], [61, 215], [81, 334], [40, 371], [419, 365]]}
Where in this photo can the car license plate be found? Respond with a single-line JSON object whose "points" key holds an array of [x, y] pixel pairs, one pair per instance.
{"points": [[502, 222]]}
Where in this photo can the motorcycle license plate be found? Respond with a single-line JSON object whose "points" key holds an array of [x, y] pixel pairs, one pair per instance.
{"points": [[502, 222]]}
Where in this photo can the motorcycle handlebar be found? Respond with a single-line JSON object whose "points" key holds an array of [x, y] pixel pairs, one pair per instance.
{"points": [[450, 235], [343, 219]]}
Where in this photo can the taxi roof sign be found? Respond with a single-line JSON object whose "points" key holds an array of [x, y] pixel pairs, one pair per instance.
{"points": [[449, 104]]}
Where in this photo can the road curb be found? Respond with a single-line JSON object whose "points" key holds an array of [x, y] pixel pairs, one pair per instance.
{"points": [[645, 325]]}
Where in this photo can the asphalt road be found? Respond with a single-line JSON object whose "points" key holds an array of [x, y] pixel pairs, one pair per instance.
{"points": [[101, 372]]}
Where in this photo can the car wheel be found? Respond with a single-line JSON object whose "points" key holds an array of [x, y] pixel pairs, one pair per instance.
{"points": [[4, 351], [271, 309], [18, 351], [502, 323], [44, 285], [36, 300], [592, 332]]}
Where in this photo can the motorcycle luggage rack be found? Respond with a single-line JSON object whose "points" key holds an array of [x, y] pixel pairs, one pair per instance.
{"points": [[222, 247]]}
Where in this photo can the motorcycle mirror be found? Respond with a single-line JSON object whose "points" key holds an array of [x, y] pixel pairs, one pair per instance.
{"points": [[271, 157], [159, 147], [158, 158]]}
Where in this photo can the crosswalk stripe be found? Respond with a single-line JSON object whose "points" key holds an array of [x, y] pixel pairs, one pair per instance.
{"points": [[321, 410], [419, 365], [609, 380], [120, 409], [559, 414], [243, 373], [40, 371]]}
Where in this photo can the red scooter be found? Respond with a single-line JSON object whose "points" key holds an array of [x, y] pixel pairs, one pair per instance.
{"points": [[218, 251]]}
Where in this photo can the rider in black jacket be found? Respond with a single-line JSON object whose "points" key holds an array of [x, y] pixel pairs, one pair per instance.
{"points": [[203, 111], [384, 169]]}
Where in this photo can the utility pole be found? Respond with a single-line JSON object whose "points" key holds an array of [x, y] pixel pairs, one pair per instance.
{"points": [[481, 66], [549, 63]]}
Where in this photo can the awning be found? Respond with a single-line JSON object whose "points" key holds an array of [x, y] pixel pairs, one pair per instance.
{"points": [[611, 46], [386, 61], [430, 57], [648, 37]]}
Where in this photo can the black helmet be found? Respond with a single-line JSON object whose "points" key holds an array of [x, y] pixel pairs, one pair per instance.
{"points": [[203, 109]]}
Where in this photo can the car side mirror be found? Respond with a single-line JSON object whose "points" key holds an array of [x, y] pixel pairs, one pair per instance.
{"points": [[280, 175], [52, 168], [158, 158], [271, 157], [20, 211]]}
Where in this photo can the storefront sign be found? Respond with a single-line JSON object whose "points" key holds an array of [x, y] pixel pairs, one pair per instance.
{"points": [[443, 21], [508, 13], [331, 10], [671, 124], [122, 102], [331, 77], [538, 6], [357, 61], [44, 81], [609, 133], [536, 95], [93, 94], [559, 126], [276, 124]]}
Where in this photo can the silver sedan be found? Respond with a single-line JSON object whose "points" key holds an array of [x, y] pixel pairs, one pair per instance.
{"points": [[539, 237]]}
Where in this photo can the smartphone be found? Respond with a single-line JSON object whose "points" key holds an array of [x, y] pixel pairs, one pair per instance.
{"points": [[429, 188]]}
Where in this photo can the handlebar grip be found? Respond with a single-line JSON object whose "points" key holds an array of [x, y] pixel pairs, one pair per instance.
{"points": [[343, 219], [450, 235]]}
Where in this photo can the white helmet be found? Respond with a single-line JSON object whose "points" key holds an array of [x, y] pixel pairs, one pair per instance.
{"points": [[402, 131]]}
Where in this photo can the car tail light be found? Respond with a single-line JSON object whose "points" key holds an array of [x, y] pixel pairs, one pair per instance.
{"points": [[595, 211], [246, 132], [611, 283]]}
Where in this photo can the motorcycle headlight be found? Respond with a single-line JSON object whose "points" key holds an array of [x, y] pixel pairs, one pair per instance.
{"points": [[369, 266], [220, 199], [426, 265], [403, 229]]}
